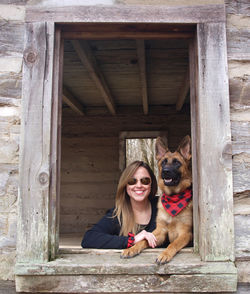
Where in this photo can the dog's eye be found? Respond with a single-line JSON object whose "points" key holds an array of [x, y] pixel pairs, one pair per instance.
{"points": [[164, 162], [176, 162]]}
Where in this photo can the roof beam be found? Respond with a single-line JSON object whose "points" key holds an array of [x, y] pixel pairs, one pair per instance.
{"points": [[143, 75], [72, 102], [183, 91], [88, 60]]}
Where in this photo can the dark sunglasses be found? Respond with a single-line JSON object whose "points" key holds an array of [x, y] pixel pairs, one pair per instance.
{"points": [[144, 181]]}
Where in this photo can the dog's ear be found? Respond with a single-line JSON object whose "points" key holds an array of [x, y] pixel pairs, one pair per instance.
{"points": [[161, 147], [185, 147]]}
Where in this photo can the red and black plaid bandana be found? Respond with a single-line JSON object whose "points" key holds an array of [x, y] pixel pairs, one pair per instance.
{"points": [[174, 204]]}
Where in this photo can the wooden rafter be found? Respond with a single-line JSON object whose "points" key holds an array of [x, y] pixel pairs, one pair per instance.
{"points": [[143, 75], [183, 91], [88, 60], [72, 101]]}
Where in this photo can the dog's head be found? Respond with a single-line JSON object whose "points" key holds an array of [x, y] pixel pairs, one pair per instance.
{"points": [[174, 168]]}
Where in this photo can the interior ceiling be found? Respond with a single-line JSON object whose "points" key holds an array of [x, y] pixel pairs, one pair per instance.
{"points": [[114, 74]]}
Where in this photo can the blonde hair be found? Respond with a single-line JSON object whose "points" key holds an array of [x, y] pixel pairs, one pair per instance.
{"points": [[123, 209]]}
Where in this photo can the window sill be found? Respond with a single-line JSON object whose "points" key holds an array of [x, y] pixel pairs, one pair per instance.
{"points": [[103, 271]]}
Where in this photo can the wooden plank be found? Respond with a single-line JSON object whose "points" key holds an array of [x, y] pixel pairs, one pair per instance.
{"points": [[194, 125], [72, 102], [214, 145], [35, 161], [126, 35], [183, 91], [127, 31], [88, 60], [140, 45], [240, 137], [242, 236], [128, 14], [127, 283], [108, 262], [241, 172], [11, 38], [243, 268], [55, 158]]}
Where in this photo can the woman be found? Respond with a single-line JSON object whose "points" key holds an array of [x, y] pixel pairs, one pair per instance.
{"points": [[133, 218]]}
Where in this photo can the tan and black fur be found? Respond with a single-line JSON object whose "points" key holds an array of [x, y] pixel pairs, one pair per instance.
{"points": [[179, 227]]}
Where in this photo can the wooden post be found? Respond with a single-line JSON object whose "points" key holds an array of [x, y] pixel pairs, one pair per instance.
{"points": [[35, 145], [216, 223], [194, 124]]}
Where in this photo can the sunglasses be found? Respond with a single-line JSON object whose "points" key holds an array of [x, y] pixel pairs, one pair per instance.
{"points": [[144, 181]]}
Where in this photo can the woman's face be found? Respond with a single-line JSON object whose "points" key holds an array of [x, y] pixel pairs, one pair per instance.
{"points": [[141, 185]]}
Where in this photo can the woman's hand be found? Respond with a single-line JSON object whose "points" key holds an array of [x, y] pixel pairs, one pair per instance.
{"points": [[148, 236]]}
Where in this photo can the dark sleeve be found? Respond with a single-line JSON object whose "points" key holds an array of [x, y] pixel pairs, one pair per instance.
{"points": [[105, 234]]}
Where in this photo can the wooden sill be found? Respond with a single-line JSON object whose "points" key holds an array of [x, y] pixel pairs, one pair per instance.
{"points": [[92, 271]]}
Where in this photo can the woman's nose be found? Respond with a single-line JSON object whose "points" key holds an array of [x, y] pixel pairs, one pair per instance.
{"points": [[138, 184]]}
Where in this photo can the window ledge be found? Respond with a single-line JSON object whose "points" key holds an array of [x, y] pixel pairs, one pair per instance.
{"points": [[103, 271]]}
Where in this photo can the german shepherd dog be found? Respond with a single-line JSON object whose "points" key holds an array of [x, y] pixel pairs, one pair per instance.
{"points": [[175, 209]]}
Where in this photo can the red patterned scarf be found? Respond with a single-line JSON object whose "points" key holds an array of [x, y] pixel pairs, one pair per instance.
{"points": [[174, 204]]}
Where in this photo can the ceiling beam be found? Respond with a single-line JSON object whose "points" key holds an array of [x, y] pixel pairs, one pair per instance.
{"points": [[88, 60], [183, 91], [72, 102], [143, 75]]}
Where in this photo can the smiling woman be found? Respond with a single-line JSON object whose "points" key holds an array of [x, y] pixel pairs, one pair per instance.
{"points": [[133, 218]]}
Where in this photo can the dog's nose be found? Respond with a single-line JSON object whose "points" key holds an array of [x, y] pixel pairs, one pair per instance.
{"points": [[167, 172]]}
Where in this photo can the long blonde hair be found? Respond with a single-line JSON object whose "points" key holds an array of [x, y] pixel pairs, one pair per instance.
{"points": [[123, 209]]}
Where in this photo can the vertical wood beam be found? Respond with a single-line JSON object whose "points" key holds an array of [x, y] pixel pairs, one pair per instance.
{"points": [[140, 45], [214, 145], [35, 145], [55, 157], [194, 124], [88, 60]]}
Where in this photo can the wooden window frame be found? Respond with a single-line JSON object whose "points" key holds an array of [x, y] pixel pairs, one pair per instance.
{"points": [[211, 265]]}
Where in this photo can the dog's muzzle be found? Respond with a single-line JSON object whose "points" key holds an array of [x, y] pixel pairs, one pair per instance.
{"points": [[170, 176]]}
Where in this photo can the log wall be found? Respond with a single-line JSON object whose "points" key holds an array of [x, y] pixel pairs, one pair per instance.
{"points": [[238, 38]]}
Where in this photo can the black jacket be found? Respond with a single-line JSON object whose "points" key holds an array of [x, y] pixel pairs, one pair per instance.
{"points": [[105, 234]]}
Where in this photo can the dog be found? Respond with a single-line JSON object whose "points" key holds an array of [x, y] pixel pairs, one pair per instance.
{"points": [[175, 209]]}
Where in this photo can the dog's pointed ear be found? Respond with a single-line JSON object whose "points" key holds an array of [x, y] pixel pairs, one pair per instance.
{"points": [[185, 147], [161, 147]]}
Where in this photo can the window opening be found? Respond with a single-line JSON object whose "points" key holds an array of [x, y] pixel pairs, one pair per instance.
{"points": [[92, 152], [142, 149]]}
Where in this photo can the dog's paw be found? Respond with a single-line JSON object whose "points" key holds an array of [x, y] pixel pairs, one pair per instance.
{"points": [[129, 253], [163, 258]]}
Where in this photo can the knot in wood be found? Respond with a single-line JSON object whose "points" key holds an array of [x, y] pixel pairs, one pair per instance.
{"points": [[30, 57], [43, 178]]}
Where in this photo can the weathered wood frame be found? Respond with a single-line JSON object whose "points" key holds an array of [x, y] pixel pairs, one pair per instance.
{"points": [[40, 159]]}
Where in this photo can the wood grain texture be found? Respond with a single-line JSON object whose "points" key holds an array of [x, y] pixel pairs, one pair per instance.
{"points": [[106, 272], [193, 73], [35, 164], [128, 14], [55, 158], [214, 137]]}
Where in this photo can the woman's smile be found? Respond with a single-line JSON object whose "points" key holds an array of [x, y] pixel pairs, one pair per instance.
{"points": [[136, 189]]}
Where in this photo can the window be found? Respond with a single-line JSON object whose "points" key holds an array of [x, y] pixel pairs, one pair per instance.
{"points": [[40, 156]]}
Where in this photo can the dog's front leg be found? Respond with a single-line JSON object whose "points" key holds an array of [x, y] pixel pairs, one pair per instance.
{"points": [[180, 242], [135, 250], [160, 233]]}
